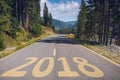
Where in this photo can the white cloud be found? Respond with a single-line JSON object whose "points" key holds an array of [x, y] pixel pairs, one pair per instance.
{"points": [[62, 11]]}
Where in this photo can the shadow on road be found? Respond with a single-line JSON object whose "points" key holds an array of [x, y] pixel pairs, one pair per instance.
{"points": [[59, 40]]}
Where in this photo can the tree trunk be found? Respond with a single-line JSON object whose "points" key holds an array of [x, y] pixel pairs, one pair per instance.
{"points": [[107, 22]]}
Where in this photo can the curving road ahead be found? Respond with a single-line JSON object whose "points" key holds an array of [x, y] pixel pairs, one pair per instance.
{"points": [[57, 58]]}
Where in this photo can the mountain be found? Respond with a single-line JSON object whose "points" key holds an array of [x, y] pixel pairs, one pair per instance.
{"points": [[59, 25], [70, 23]]}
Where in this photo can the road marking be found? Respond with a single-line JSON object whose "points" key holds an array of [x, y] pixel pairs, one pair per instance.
{"points": [[81, 66], [102, 56], [67, 72], [15, 72], [38, 73], [54, 53]]}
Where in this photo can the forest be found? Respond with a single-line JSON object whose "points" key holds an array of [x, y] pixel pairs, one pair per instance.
{"points": [[17, 16], [99, 21]]}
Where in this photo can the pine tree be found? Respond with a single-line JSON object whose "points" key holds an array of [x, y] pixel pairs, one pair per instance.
{"points": [[5, 16], [115, 32], [82, 19], [107, 17], [33, 10], [46, 15], [15, 14], [50, 22]]}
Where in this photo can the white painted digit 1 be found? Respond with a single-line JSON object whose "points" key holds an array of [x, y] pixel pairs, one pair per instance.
{"points": [[36, 71], [15, 73], [81, 66]]}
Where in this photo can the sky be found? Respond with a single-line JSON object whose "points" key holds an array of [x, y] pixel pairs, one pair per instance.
{"points": [[64, 10]]}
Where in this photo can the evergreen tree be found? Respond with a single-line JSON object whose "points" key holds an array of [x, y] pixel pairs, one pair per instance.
{"points": [[82, 19], [5, 16], [46, 15], [33, 11], [50, 22], [115, 21], [99, 20], [15, 14]]}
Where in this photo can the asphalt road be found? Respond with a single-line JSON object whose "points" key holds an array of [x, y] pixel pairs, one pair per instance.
{"points": [[57, 58]]}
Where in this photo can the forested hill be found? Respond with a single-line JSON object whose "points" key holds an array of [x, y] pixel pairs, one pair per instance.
{"points": [[60, 25], [19, 18]]}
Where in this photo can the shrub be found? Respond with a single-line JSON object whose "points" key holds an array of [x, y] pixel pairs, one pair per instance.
{"points": [[36, 30], [2, 45]]}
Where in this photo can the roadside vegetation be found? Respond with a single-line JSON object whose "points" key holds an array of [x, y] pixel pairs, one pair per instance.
{"points": [[98, 27], [98, 21], [45, 32], [21, 24], [111, 52]]}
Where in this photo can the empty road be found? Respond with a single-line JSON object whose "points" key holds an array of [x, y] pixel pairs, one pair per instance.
{"points": [[57, 58]]}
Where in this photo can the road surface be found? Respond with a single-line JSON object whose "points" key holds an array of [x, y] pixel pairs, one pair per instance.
{"points": [[57, 58]]}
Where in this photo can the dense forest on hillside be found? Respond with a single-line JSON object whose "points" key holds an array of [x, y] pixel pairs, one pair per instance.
{"points": [[19, 17], [99, 21], [16, 15]]}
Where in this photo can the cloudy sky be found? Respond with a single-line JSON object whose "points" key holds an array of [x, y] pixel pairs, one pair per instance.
{"points": [[65, 10]]}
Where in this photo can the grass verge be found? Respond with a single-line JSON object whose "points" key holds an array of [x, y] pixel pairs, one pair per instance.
{"points": [[24, 44], [104, 51], [100, 49]]}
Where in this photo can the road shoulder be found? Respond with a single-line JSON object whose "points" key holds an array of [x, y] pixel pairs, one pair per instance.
{"points": [[101, 56]]}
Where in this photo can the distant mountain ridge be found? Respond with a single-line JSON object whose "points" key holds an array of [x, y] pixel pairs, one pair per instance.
{"points": [[59, 25]]}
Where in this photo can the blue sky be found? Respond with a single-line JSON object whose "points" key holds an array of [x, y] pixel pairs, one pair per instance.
{"points": [[65, 10]]}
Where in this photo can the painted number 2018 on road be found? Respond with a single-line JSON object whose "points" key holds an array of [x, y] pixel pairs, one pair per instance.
{"points": [[67, 72]]}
